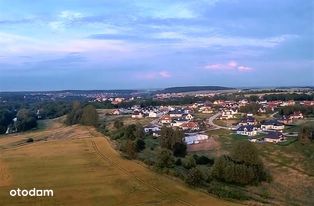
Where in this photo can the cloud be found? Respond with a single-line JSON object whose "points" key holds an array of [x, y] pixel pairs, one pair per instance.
{"points": [[64, 19], [231, 66], [153, 75]]}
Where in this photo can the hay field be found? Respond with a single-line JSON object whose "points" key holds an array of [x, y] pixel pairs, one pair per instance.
{"points": [[81, 167]]}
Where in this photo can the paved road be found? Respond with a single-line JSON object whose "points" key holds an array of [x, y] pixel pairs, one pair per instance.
{"points": [[210, 121], [272, 115]]}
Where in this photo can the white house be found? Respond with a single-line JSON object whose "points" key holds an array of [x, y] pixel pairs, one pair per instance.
{"points": [[178, 122], [188, 116], [137, 115], [154, 114], [176, 113], [248, 130], [272, 125], [226, 114]]}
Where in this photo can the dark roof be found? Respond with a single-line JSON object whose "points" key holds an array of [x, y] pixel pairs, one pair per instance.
{"points": [[274, 135], [248, 128], [272, 122], [248, 119], [176, 112]]}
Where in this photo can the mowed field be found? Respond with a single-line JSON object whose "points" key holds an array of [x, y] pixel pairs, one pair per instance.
{"points": [[82, 168]]}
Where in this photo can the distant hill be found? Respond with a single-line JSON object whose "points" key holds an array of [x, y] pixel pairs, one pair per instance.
{"points": [[193, 89]]}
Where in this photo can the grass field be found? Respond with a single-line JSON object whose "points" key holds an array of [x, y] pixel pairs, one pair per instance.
{"points": [[82, 168], [291, 166]]}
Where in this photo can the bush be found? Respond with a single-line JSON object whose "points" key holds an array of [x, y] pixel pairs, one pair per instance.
{"points": [[194, 177], [178, 162], [225, 191], [203, 160], [139, 145], [189, 162], [118, 124], [241, 168], [128, 147]]}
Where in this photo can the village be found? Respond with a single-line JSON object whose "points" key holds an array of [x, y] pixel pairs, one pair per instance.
{"points": [[197, 119]]}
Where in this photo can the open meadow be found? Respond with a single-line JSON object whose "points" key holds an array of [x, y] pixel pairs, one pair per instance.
{"points": [[291, 167], [81, 167]]}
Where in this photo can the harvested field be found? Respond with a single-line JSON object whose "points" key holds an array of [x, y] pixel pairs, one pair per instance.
{"points": [[82, 168]]}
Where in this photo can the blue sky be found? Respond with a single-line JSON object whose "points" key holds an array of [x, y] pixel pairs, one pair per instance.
{"points": [[104, 44]]}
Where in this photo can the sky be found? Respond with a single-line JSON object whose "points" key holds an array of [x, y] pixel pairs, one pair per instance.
{"points": [[133, 44]]}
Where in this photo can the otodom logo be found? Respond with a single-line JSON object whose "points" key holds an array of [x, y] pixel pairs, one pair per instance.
{"points": [[32, 192]]}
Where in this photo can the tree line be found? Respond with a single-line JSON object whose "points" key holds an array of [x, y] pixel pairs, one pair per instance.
{"points": [[85, 115]]}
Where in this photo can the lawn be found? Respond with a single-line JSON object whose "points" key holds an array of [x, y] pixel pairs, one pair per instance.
{"points": [[82, 168]]}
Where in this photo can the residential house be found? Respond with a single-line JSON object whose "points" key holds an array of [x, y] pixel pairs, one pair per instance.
{"points": [[261, 110], [116, 112], [166, 119], [226, 114], [176, 113], [206, 110], [296, 115], [287, 103], [284, 120], [248, 120], [193, 126], [272, 125], [243, 102], [188, 116], [307, 103], [178, 122], [137, 115], [274, 137], [248, 130], [154, 114]]}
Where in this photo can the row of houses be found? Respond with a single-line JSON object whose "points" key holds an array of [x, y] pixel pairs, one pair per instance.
{"points": [[273, 128]]}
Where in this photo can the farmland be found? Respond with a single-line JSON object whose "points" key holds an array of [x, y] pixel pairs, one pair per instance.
{"points": [[82, 168]]}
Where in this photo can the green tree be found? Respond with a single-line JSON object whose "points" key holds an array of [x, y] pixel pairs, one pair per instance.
{"points": [[89, 116], [245, 152], [139, 131], [179, 149], [6, 118], [25, 120], [165, 159], [75, 115], [306, 134], [129, 132], [219, 166], [129, 149], [169, 137]]}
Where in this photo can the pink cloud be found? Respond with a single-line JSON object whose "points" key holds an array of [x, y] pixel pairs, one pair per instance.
{"points": [[154, 75], [244, 68], [230, 66]]}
